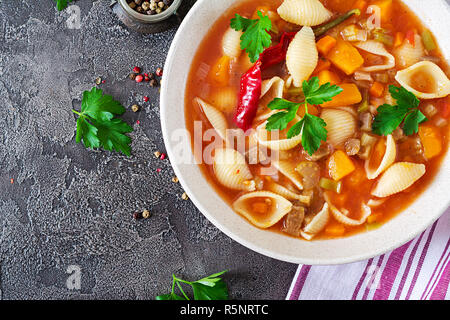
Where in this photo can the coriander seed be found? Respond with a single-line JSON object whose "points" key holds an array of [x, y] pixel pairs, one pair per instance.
{"points": [[175, 179], [135, 108], [146, 214], [157, 154], [184, 196]]}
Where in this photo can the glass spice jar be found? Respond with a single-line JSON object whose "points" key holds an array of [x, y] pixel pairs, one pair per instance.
{"points": [[146, 23]]}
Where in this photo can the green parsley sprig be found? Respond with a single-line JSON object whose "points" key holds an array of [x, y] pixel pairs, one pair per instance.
{"points": [[256, 35], [97, 126], [406, 111], [210, 288], [61, 4], [311, 128]]}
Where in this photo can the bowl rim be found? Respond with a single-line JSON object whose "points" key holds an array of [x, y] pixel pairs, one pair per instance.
{"points": [[166, 114]]}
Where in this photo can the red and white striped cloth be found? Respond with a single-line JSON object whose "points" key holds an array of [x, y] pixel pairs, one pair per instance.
{"points": [[418, 270]]}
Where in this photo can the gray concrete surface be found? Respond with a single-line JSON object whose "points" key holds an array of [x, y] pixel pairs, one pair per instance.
{"points": [[71, 206]]}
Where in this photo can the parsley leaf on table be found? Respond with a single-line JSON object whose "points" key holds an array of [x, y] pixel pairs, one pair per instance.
{"points": [[209, 288], [406, 111], [256, 35], [62, 4], [96, 125], [311, 128]]}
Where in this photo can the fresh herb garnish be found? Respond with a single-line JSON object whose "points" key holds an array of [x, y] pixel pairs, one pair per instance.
{"points": [[256, 35], [210, 288], [406, 111], [311, 128], [96, 124], [61, 4]]}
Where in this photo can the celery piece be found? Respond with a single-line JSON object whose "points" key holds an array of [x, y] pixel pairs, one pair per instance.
{"points": [[384, 38], [321, 30], [331, 185], [428, 41], [364, 105]]}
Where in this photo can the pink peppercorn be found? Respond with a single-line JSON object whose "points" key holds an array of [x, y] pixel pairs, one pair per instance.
{"points": [[137, 70], [139, 78], [146, 99], [158, 170], [159, 72], [163, 156], [138, 122]]}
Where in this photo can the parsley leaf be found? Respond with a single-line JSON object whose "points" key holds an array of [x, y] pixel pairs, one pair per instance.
{"points": [[209, 288], [311, 128], [96, 125], [406, 111], [256, 35], [61, 4]]}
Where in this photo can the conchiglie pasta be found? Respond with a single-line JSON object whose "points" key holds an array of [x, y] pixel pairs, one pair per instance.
{"points": [[318, 222], [341, 125], [262, 208], [215, 117], [302, 56], [388, 158], [406, 55], [425, 79], [270, 89], [225, 99], [288, 194], [287, 168], [266, 138], [376, 48], [304, 12], [231, 43], [366, 211], [231, 170], [397, 178]]}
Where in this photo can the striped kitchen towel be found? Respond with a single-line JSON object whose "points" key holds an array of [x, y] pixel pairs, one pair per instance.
{"points": [[418, 270]]}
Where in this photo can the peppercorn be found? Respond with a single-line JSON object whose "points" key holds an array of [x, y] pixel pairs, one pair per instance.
{"points": [[138, 2], [161, 4], [184, 196], [139, 78], [153, 83], [168, 2], [175, 179], [135, 108], [139, 9], [146, 214], [157, 154], [145, 5], [137, 70], [137, 215], [132, 76], [132, 5], [98, 80], [159, 72]]}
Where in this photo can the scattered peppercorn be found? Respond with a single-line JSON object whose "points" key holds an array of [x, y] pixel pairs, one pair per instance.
{"points": [[137, 70], [146, 99], [157, 154], [135, 108], [146, 214], [104, 81], [159, 72], [137, 215], [175, 179], [153, 83], [139, 78], [132, 76], [163, 156], [98, 80], [158, 170], [184, 196]]}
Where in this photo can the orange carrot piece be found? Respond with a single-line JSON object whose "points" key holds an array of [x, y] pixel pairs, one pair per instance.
{"points": [[326, 76], [323, 64], [345, 57], [340, 165], [431, 140], [350, 95], [219, 73], [410, 37], [386, 8], [377, 89], [264, 10], [399, 38], [325, 44], [361, 5], [335, 230]]}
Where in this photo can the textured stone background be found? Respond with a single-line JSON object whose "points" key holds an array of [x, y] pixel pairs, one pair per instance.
{"points": [[68, 205]]}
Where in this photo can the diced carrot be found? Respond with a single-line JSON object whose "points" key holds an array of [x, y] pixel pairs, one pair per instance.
{"points": [[444, 107], [328, 76], [335, 230], [219, 73], [374, 217], [431, 140], [377, 89], [411, 37], [325, 44], [264, 10], [399, 38], [340, 6], [361, 5], [345, 57], [386, 8], [350, 95], [323, 64], [340, 165]]}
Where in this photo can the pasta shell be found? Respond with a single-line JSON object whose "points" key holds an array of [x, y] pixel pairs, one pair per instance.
{"points": [[215, 117], [231, 170], [342, 218], [376, 48], [304, 12], [341, 125], [319, 221], [397, 178], [225, 99], [302, 56], [389, 157], [276, 207], [287, 168], [307, 236], [288, 194], [406, 55], [425, 79], [262, 136], [270, 89], [231, 43]]}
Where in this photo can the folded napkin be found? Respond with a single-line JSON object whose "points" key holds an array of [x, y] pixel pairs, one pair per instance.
{"points": [[418, 270]]}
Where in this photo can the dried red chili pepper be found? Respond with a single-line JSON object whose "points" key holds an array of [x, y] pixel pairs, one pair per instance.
{"points": [[250, 86]]}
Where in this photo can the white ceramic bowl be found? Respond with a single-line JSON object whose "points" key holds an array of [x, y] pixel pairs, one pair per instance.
{"points": [[402, 228]]}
